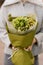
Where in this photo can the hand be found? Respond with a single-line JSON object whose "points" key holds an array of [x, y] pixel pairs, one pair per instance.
{"points": [[30, 47]]}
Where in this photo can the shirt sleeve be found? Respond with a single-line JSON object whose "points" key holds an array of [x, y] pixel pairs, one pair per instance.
{"points": [[3, 32], [37, 49], [39, 36]]}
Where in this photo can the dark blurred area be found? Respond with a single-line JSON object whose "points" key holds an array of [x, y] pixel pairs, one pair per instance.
{"points": [[1, 2]]}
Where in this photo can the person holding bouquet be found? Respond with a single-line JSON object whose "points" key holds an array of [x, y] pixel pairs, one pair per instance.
{"points": [[20, 8]]}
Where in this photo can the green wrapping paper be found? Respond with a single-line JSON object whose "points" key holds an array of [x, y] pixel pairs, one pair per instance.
{"points": [[22, 57], [22, 40]]}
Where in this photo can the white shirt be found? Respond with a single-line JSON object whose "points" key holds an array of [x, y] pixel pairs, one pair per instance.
{"points": [[10, 7]]}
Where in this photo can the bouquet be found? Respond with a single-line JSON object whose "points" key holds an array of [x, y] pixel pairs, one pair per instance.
{"points": [[22, 30], [21, 33]]}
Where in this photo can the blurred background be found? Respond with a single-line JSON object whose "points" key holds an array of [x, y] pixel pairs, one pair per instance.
{"points": [[1, 44]]}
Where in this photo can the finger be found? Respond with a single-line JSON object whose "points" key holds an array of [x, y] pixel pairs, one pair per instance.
{"points": [[13, 48], [30, 48], [26, 49]]}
